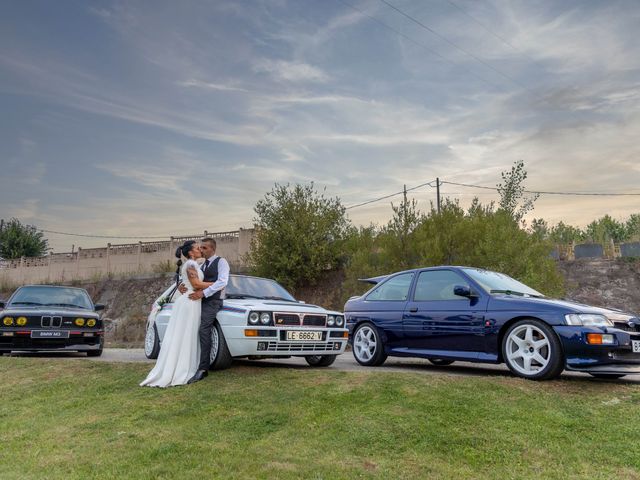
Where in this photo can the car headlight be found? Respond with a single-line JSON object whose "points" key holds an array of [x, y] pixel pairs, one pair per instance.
{"points": [[588, 320], [265, 318], [8, 321], [21, 321], [79, 322], [339, 320], [254, 318], [91, 322], [331, 320]]}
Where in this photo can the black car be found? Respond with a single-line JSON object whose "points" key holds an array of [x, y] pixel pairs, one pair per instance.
{"points": [[45, 317]]}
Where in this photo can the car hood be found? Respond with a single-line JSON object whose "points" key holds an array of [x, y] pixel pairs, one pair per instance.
{"points": [[276, 306], [511, 302], [57, 311]]}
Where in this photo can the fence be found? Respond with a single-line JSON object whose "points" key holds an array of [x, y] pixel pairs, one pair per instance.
{"points": [[596, 250], [89, 263]]}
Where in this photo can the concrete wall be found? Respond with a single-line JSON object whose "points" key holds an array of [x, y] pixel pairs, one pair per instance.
{"points": [[94, 263]]}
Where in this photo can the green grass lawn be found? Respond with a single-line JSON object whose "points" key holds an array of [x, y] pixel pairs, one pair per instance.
{"points": [[71, 418]]}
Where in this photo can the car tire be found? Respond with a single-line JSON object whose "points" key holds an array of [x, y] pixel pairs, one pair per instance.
{"points": [[96, 353], [320, 360], [152, 343], [367, 346], [220, 357], [440, 362], [532, 350], [607, 376]]}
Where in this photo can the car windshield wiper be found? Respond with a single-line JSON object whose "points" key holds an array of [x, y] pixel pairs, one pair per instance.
{"points": [[508, 292], [71, 305], [242, 295], [25, 303], [273, 297]]}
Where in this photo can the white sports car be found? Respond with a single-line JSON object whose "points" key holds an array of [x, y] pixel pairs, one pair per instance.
{"points": [[259, 319]]}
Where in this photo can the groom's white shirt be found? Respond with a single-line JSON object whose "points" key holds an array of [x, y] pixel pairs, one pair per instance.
{"points": [[223, 276]]}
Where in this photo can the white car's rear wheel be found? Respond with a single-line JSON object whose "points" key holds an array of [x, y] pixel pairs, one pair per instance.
{"points": [[220, 357], [152, 343]]}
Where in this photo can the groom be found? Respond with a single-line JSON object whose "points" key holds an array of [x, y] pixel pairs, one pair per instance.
{"points": [[216, 270]]}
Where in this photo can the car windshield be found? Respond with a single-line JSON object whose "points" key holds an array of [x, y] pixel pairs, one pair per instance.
{"points": [[494, 282], [252, 287], [51, 297]]}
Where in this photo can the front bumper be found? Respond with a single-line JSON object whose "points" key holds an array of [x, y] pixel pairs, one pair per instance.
{"points": [[20, 340], [580, 356], [272, 341]]}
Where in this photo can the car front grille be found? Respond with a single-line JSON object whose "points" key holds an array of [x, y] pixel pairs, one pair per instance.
{"points": [[55, 322], [294, 319], [314, 320], [300, 347], [286, 319], [626, 327]]}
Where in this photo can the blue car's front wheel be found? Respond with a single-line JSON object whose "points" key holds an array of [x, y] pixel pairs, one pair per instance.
{"points": [[531, 349], [368, 349]]}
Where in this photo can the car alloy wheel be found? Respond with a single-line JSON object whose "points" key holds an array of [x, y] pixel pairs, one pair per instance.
{"points": [[219, 357], [151, 343], [215, 345], [367, 347], [532, 350]]}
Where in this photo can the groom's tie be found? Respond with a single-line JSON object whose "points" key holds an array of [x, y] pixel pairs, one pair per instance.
{"points": [[206, 265]]}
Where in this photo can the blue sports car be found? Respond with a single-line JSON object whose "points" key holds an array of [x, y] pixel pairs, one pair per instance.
{"points": [[447, 313]]}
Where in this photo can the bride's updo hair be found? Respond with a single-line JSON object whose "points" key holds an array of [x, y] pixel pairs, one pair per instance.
{"points": [[183, 251]]}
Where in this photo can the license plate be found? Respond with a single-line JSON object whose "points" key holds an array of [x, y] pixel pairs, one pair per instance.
{"points": [[298, 335], [50, 334], [635, 345]]}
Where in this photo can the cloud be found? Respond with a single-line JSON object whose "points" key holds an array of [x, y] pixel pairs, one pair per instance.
{"points": [[290, 71]]}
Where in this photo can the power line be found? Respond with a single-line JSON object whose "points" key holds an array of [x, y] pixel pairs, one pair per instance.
{"points": [[442, 37], [541, 192], [410, 39], [391, 195], [125, 237], [503, 40]]}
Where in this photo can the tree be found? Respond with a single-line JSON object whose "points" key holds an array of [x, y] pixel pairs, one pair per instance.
{"points": [[632, 227], [511, 190], [299, 234], [563, 233], [606, 229], [397, 235], [18, 240]]}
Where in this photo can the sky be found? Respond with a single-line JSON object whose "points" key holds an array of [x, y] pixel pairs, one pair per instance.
{"points": [[158, 118]]}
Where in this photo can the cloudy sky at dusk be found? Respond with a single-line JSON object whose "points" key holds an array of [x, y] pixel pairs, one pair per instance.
{"points": [[159, 118]]}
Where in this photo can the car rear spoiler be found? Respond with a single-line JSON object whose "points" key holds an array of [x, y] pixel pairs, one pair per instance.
{"points": [[373, 280]]}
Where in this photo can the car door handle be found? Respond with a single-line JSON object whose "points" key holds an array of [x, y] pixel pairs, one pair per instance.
{"points": [[413, 310]]}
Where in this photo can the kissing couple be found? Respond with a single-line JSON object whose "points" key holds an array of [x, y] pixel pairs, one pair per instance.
{"points": [[186, 347]]}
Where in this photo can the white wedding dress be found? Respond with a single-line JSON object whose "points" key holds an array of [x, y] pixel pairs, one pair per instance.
{"points": [[180, 349]]}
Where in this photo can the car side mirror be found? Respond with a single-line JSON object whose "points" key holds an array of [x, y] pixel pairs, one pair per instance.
{"points": [[2, 303], [99, 306], [463, 291]]}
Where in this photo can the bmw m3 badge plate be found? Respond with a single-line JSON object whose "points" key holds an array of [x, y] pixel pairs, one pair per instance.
{"points": [[50, 334]]}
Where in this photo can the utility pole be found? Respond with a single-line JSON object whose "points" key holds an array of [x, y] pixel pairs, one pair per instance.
{"points": [[438, 194], [1, 224]]}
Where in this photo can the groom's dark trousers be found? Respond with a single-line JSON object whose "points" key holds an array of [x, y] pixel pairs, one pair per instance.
{"points": [[210, 308]]}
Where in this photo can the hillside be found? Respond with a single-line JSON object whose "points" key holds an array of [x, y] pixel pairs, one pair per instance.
{"points": [[611, 283]]}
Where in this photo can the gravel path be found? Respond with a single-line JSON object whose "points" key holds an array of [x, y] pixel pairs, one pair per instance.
{"points": [[344, 363]]}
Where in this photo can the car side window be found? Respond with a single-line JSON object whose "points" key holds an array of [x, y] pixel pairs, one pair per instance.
{"points": [[438, 285], [396, 288]]}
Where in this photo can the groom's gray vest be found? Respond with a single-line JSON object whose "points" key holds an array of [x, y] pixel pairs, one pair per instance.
{"points": [[211, 275]]}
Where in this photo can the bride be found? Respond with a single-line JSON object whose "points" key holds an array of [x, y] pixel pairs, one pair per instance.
{"points": [[180, 350]]}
